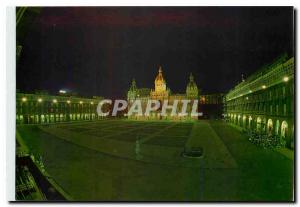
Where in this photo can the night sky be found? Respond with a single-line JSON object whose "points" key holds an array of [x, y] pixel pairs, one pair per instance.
{"points": [[98, 50]]}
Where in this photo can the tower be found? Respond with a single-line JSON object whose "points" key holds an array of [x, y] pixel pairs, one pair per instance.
{"points": [[160, 91], [160, 83], [192, 89], [132, 92]]}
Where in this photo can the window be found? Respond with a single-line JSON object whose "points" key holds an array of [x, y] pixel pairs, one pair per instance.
{"points": [[284, 109]]}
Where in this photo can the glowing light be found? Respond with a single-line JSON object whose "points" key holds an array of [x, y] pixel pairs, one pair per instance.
{"points": [[92, 102], [250, 91], [80, 102], [24, 99], [247, 98], [264, 86], [54, 101], [68, 101], [40, 100], [285, 79], [62, 91]]}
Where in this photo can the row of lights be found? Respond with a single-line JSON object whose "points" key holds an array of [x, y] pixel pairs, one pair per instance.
{"points": [[285, 79], [24, 99]]}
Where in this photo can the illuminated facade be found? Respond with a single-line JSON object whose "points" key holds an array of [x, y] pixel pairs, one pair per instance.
{"points": [[265, 101], [162, 93], [38, 108]]}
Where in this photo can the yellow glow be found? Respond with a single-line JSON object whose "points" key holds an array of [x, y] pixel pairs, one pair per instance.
{"points": [[264, 86], [40, 100], [250, 91], [285, 79], [54, 101], [62, 91], [24, 99], [247, 98], [80, 102], [92, 102], [68, 101]]}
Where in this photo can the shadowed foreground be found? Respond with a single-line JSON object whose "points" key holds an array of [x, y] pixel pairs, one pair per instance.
{"points": [[232, 169]]}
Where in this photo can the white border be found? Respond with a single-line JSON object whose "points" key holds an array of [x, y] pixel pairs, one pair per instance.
{"points": [[10, 101]]}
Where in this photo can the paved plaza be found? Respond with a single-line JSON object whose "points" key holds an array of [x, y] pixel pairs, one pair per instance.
{"points": [[124, 160]]}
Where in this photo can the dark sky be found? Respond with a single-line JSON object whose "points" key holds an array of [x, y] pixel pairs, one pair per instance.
{"points": [[97, 51]]}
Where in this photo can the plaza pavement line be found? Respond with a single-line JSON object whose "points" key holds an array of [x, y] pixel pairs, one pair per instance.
{"points": [[122, 149], [215, 153]]}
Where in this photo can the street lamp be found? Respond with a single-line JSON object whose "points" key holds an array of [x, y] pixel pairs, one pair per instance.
{"points": [[40, 100], [285, 79]]}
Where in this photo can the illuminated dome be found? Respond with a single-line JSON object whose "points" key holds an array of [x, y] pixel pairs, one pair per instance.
{"points": [[159, 78], [160, 83]]}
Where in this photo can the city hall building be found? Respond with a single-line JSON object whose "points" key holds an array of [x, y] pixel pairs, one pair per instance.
{"points": [[209, 105], [264, 102], [162, 93]]}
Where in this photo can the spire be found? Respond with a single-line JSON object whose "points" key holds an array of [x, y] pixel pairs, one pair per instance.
{"points": [[160, 69], [133, 85], [160, 77], [191, 77]]}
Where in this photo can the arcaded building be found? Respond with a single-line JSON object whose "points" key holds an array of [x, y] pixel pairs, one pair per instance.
{"points": [[44, 108], [264, 102]]}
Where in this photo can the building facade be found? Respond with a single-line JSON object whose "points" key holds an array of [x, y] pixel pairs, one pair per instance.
{"points": [[162, 93], [264, 102], [39, 108]]}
